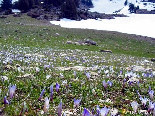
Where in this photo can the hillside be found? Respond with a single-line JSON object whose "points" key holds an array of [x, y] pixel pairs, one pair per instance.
{"points": [[50, 70]]}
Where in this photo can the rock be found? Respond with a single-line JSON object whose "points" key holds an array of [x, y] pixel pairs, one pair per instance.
{"points": [[57, 34], [46, 29], [3, 17], [69, 42], [133, 79], [93, 75], [114, 112], [153, 59], [76, 43], [8, 67], [90, 42], [67, 113], [4, 78], [145, 112], [17, 65], [25, 76], [108, 51], [105, 101], [138, 68], [28, 55]]}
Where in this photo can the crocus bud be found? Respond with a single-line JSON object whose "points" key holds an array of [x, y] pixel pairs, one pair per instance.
{"points": [[46, 105], [97, 111], [104, 84], [5, 100], [57, 87], [134, 105], [42, 93], [60, 108], [77, 102], [74, 74], [12, 90], [51, 92]]}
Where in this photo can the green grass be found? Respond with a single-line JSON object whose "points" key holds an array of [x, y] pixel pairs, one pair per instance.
{"points": [[26, 31]]}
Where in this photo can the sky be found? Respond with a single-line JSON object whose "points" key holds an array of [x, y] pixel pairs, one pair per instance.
{"points": [[139, 24]]}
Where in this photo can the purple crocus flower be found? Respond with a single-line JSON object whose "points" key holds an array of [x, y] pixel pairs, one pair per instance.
{"points": [[60, 108], [110, 83], [76, 102], [104, 84], [86, 112], [88, 75], [12, 90], [134, 105], [124, 80], [74, 74], [139, 95], [121, 72], [97, 111], [42, 93], [57, 87], [149, 89], [104, 111], [151, 93], [46, 67], [143, 100], [51, 92], [46, 105], [151, 106], [5, 100]]}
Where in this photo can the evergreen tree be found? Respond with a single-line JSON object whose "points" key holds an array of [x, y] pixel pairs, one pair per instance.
{"points": [[23, 5], [126, 2], [87, 2], [37, 2], [6, 4], [77, 2], [131, 8], [69, 9], [31, 3], [15, 5], [53, 2]]}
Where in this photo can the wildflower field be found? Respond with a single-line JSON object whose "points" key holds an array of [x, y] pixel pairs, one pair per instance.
{"points": [[41, 73]]}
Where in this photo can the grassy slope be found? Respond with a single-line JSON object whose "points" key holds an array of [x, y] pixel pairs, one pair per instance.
{"points": [[26, 31]]}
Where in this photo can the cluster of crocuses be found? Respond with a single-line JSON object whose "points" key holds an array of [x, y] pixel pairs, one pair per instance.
{"points": [[105, 84], [100, 112], [151, 106], [47, 100], [12, 89]]}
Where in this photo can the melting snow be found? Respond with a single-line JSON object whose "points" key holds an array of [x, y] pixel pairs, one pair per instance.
{"points": [[140, 24]]}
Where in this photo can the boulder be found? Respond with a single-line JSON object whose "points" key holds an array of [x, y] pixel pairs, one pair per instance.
{"points": [[90, 42], [153, 59], [108, 51]]}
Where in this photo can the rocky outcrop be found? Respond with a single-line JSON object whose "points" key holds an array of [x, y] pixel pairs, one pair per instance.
{"points": [[145, 11], [56, 14], [87, 42]]}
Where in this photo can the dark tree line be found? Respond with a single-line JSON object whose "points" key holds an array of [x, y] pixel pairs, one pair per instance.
{"points": [[6, 4], [68, 7]]}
